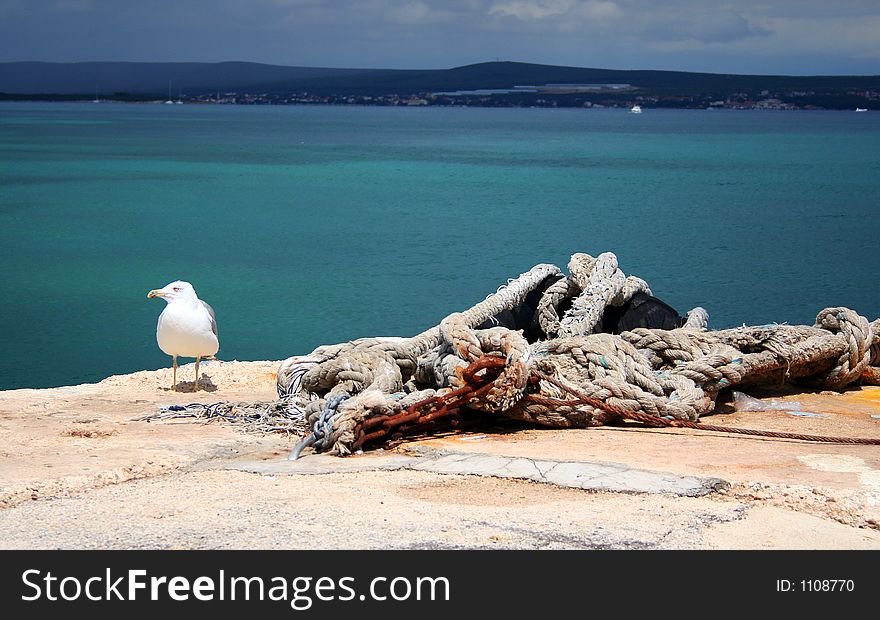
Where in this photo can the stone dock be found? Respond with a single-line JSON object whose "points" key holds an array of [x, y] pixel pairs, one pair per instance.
{"points": [[78, 472]]}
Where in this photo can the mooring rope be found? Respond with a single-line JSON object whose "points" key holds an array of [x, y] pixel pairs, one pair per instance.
{"points": [[583, 399], [352, 393]]}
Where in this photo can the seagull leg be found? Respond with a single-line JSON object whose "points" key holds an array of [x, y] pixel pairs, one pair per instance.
{"points": [[196, 385], [174, 374]]}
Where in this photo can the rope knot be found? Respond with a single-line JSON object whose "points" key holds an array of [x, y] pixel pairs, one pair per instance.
{"points": [[859, 337]]}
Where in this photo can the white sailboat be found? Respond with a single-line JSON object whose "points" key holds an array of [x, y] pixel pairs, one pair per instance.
{"points": [[636, 109], [169, 101]]}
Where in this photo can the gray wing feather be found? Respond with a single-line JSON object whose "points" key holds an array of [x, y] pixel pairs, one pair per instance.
{"points": [[213, 316]]}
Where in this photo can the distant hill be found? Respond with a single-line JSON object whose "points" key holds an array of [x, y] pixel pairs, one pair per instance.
{"points": [[199, 78], [153, 77], [510, 74]]}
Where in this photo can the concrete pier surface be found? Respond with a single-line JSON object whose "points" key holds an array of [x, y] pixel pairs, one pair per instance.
{"points": [[77, 472]]}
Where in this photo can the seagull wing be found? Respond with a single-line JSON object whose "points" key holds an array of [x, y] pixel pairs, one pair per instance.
{"points": [[213, 316]]}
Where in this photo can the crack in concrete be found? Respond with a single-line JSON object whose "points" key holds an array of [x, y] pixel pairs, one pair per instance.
{"points": [[541, 475], [595, 476]]}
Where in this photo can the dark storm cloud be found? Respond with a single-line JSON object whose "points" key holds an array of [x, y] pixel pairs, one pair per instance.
{"points": [[789, 36]]}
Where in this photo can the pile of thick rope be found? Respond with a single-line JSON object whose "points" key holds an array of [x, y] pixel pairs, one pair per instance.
{"points": [[572, 375], [569, 373]]}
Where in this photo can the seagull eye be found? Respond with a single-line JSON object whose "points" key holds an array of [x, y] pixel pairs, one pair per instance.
{"points": [[176, 289]]}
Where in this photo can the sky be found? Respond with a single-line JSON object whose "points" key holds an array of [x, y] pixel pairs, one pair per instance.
{"points": [[797, 37]]}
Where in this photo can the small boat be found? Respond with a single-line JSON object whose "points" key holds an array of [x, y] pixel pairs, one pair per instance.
{"points": [[636, 109], [861, 109]]}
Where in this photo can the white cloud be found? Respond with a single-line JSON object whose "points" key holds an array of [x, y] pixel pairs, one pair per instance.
{"points": [[548, 16], [419, 13], [525, 11], [598, 10]]}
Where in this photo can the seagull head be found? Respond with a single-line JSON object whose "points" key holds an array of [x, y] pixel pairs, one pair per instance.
{"points": [[174, 291]]}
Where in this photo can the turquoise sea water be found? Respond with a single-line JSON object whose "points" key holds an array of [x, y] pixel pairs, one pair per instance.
{"points": [[311, 225]]}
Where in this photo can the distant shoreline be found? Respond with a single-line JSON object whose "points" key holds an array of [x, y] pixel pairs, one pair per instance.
{"points": [[488, 84], [250, 101]]}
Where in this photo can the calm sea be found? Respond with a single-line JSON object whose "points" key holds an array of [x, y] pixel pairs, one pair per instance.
{"points": [[312, 225]]}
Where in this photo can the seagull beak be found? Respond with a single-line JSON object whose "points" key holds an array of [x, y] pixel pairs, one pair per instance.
{"points": [[155, 293]]}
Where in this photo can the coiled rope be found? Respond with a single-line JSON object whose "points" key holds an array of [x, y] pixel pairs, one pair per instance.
{"points": [[572, 376]]}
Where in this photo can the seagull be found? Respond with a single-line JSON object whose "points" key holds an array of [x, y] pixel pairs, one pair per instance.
{"points": [[187, 326]]}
